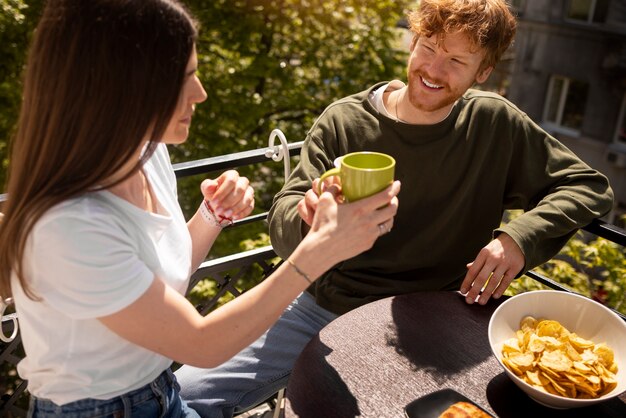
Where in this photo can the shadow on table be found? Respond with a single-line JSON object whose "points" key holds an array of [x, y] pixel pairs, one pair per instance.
{"points": [[323, 380], [507, 400], [441, 345]]}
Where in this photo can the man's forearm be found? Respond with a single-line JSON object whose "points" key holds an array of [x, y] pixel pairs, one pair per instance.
{"points": [[285, 225]]}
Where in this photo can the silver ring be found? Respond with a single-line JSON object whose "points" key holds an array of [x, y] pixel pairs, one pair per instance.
{"points": [[382, 229]]}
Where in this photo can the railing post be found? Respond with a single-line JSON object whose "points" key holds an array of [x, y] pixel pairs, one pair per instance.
{"points": [[4, 318], [278, 153]]}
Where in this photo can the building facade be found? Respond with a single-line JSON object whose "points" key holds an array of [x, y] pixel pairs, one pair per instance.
{"points": [[569, 74]]}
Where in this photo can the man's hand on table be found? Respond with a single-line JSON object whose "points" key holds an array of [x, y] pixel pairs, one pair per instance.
{"points": [[499, 262]]}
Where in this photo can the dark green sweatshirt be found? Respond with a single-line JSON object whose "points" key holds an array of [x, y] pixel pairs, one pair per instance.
{"points": [[458, 176]]}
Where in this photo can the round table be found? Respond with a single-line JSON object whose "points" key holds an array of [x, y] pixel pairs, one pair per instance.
{"points": [[374, 360]]}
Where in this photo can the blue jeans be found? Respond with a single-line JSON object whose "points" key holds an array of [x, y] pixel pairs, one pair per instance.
{"points": [[258, 371], [160, 398]]}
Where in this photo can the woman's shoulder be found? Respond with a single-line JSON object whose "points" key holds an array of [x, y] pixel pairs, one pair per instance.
{"points": [[89, 211]]}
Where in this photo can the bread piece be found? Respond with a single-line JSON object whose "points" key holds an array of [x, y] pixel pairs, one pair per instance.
{"points": [[464, 410]]}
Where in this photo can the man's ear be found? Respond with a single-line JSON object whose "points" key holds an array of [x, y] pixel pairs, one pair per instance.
{"points": [[483, 74]]}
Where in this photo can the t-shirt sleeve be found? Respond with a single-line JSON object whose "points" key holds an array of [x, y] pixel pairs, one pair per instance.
{"points": [[85, 266]]}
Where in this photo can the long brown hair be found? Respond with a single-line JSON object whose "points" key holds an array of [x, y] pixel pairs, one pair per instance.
{"points": [[489, 23], [101, 76]]}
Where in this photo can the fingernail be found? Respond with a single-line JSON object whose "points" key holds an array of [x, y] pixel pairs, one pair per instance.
{"points": [[469, 300], [228, 213]]}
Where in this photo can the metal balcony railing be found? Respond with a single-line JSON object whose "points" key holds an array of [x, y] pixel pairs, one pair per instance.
{"points": [[11, 352]]}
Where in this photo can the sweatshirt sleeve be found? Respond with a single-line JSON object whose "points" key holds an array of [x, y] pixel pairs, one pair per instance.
{"points": [[285, 224], [558, 192]]}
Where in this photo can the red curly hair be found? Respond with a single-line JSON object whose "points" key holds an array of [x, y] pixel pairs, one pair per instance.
{"points": [[488, 23]]}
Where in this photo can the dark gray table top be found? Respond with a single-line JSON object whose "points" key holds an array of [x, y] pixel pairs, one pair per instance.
{"points": [[374, 360]]}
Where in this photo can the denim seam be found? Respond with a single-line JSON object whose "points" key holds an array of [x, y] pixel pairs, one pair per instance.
{"points": [[260, 385]]}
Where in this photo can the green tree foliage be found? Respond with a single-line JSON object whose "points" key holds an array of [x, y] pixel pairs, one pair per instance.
{"points": [[277, 64], [270, 64], [17, 20], [265, 64], [589, 265]]}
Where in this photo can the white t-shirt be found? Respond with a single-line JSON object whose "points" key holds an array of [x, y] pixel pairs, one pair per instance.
{"points": [[90, 257], [377, 96]]}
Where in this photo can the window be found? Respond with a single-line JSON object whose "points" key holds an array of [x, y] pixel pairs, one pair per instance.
{"points": [[589, 11], [620, 132], [565, 103]]}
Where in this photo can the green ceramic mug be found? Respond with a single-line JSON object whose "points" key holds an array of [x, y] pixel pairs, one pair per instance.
{"points": [[362, 174]]}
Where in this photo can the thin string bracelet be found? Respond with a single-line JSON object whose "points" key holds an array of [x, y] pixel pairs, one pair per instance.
{"points": [[300, 272]]}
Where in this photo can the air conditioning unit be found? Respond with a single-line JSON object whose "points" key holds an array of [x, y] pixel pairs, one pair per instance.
{"points": [[616, 155]]}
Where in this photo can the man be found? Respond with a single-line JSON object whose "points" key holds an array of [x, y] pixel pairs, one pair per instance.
{"points": [[463, 157]]}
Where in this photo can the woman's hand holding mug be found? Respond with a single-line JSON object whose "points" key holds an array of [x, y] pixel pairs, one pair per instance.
{"points": [[356, 175], [343, 230]]}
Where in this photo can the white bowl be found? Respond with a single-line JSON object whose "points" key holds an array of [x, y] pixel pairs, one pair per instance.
{"points": [[587, 318]]}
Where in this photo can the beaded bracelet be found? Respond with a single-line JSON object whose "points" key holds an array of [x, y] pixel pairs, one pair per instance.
{"points": [[211, 218], [300, 272]]}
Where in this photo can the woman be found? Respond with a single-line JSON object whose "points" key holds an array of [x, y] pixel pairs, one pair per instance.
{"points": [[94, 248]]}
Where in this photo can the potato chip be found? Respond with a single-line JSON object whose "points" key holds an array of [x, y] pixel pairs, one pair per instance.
{"points": [[557, 386], [552, 359], [522, 360], [572, 353], [511, 346], [536, 378], [547, 371], [512, 366], [556, 361], [523, 338], [580, 343], [576, 378], [528, 322], [589, 357], [604, 353], [549, 328], [582, 367], [536, 344]]}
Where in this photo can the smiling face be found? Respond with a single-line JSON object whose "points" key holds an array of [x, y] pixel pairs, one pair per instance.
{"points": [[191, 93], [441, 68]]}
